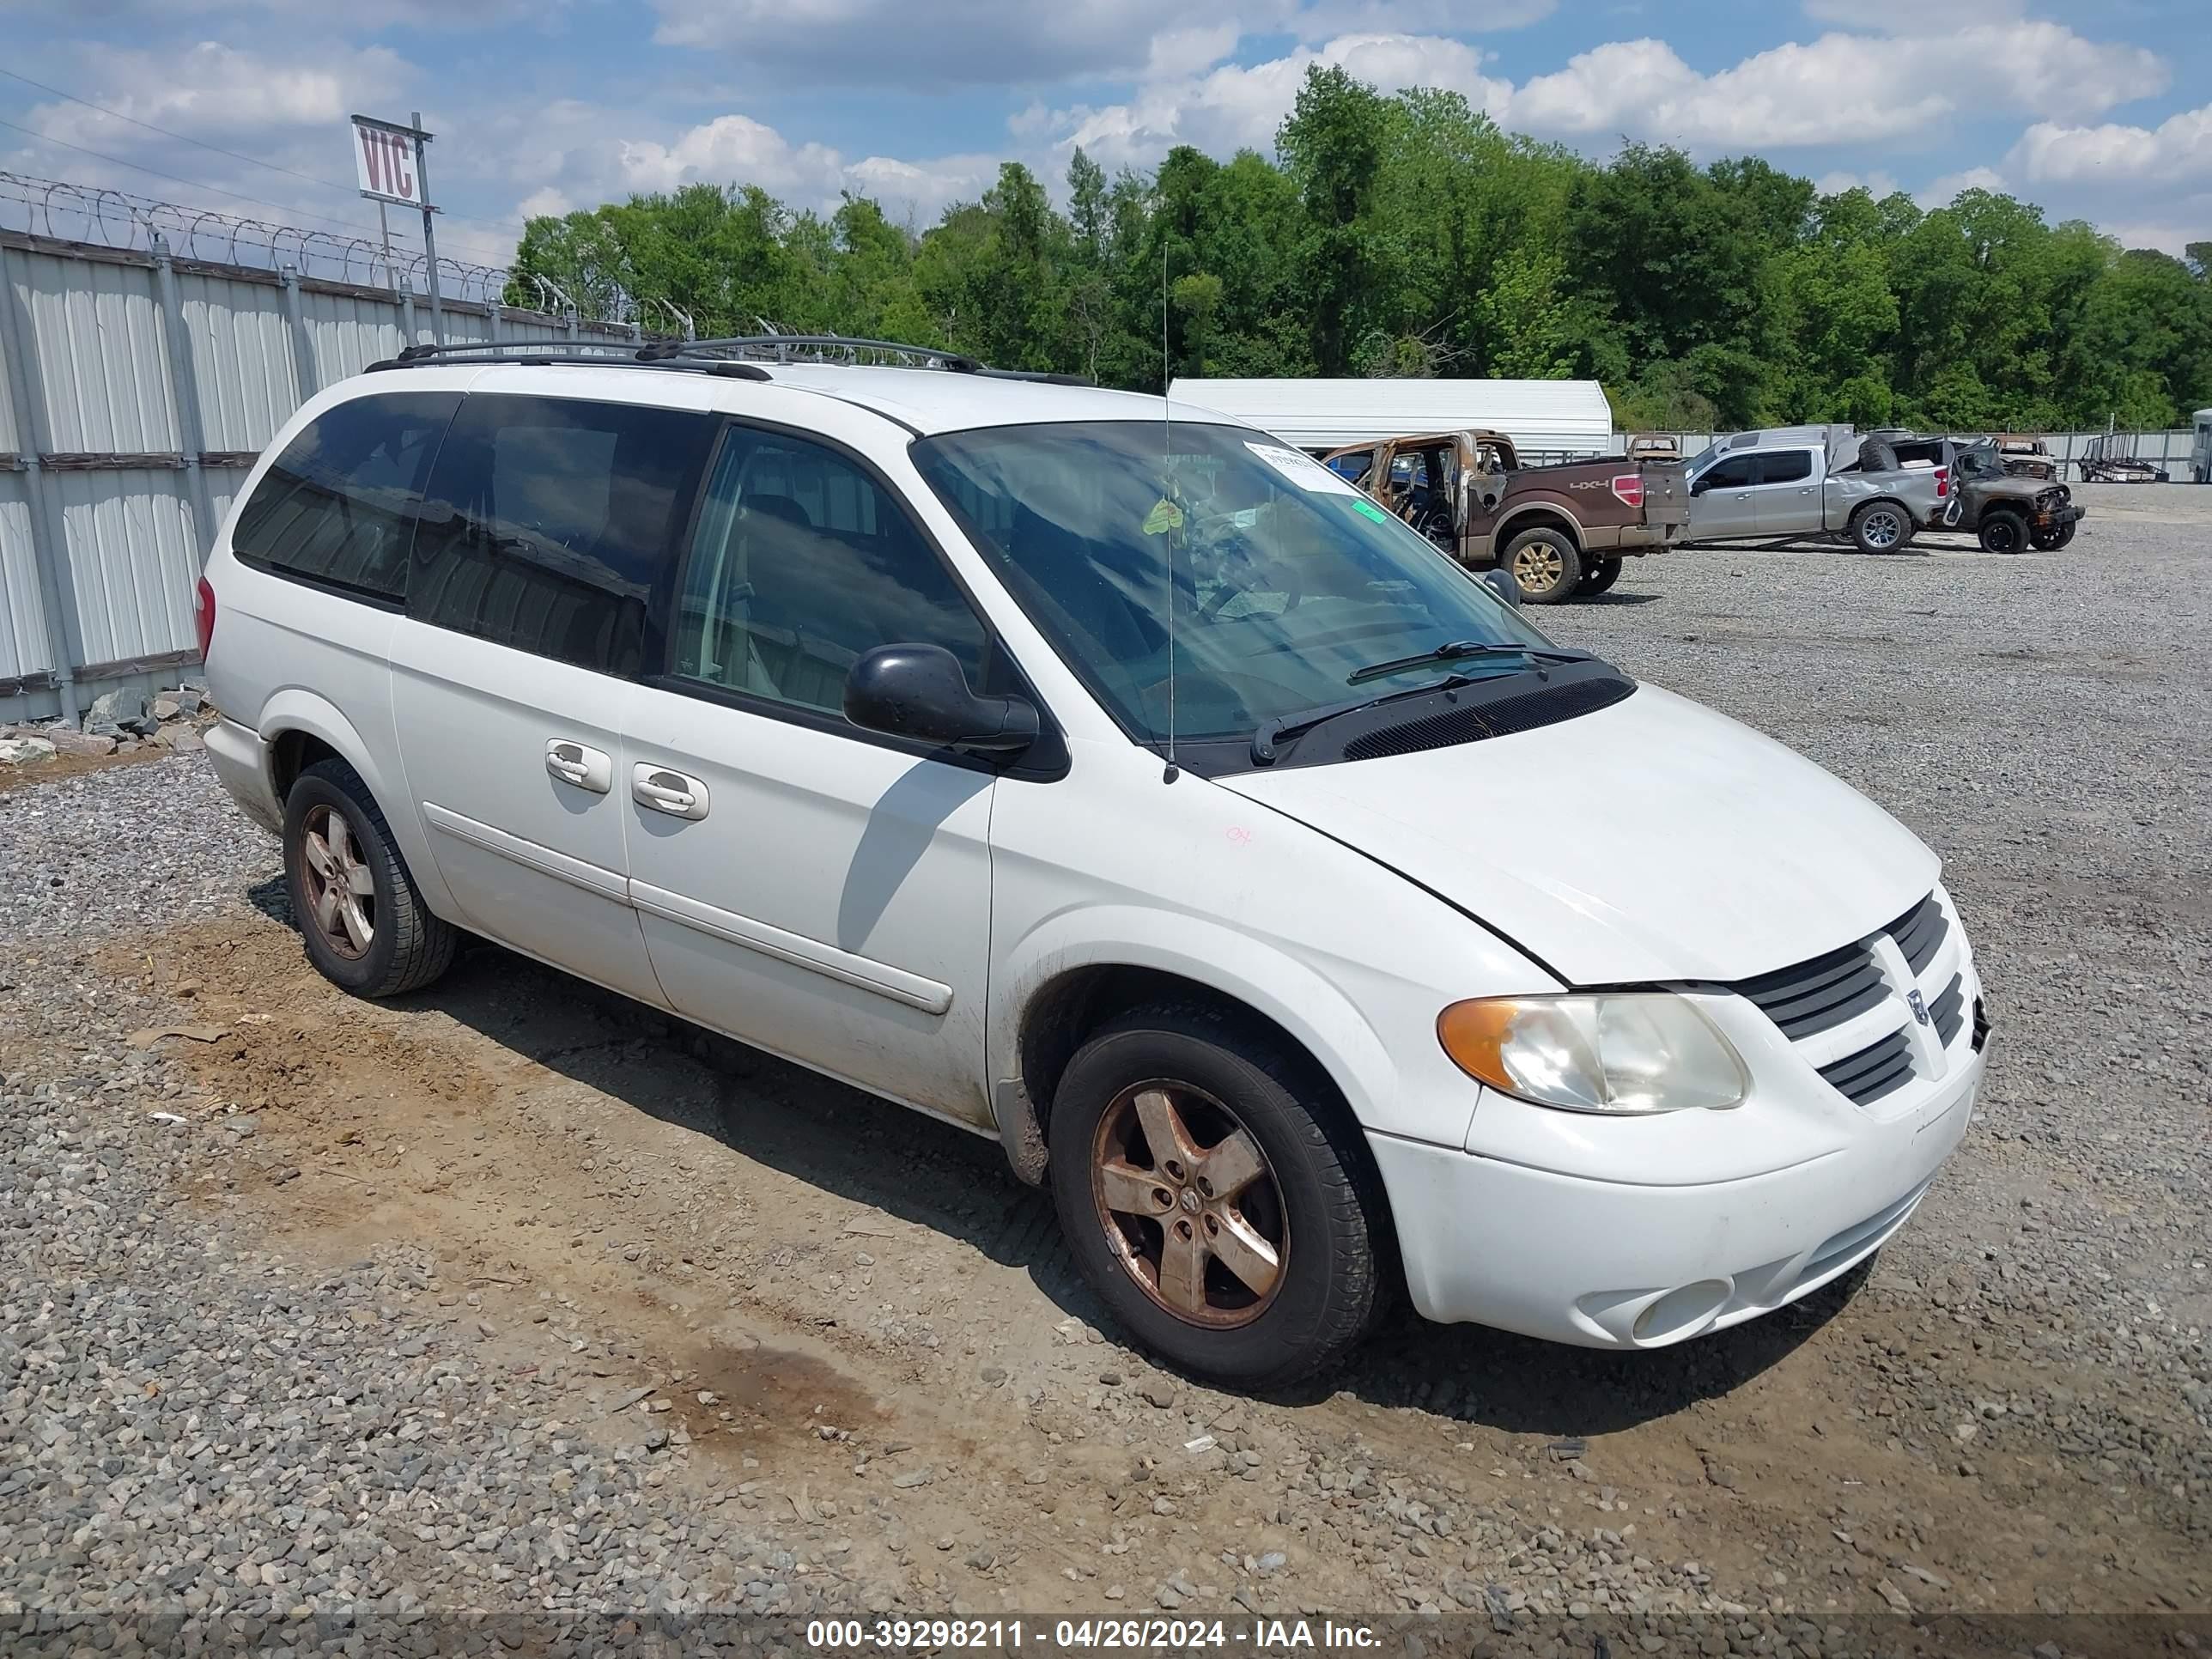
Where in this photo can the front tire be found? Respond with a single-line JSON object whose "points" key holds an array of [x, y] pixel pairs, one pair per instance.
{"points": [[1215, 1196], [1546, 563], [366, 928], [2003, 531], [1880, 527], [2050, 541]]}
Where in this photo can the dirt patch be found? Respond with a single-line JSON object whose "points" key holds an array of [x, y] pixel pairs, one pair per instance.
{"points": [[53, 769], [853, 1314]]}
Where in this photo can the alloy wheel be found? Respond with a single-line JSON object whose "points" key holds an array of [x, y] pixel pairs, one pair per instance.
{"points": [[1881, 530], [1190, 1205], [1538, 568], [341, 889]]}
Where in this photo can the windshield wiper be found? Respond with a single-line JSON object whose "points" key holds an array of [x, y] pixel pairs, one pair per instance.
{"points": [[1453, 650], [1273, 731]]}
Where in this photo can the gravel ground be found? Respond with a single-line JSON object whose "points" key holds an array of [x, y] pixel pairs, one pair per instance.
{"points": [[508, 1315]]}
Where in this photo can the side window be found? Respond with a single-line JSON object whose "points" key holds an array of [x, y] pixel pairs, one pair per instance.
{"points": [[801, 564], [1785, 466], [548, 522], [339, 505], [1730, 474]]}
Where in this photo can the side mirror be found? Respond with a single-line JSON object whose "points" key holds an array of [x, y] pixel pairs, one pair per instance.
{"points": [[919, 691], [1504, 583], [1697, 484]]}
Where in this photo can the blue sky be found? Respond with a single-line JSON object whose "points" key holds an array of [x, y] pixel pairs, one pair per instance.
{"points": [[2103, 113]]}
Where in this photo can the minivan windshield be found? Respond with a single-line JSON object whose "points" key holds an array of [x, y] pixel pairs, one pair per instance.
{"points": [[1287, 582]]}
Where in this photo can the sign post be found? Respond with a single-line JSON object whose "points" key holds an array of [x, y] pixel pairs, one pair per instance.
{"points": [[388, 166]]}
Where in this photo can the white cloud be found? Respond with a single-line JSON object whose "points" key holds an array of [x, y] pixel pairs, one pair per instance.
{"points": [[1943, 192], [1839, 88], [1038, 42], [1237, 106], [568, 155], [211, 88], [1877, 184], [2179, 150]]}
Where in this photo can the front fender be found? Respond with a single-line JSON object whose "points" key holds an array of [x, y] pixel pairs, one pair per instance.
{"points": [[1228, 963]]}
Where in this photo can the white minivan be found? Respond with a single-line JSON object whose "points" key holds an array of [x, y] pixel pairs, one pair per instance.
{"points": [[1111, 779]]}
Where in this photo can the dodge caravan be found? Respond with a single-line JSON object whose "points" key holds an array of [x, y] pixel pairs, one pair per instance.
{"points": [[1112, 779]]}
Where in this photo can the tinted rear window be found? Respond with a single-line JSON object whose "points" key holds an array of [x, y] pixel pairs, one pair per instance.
{"points": [[1785, 466], [552, 524], [339, 505]]}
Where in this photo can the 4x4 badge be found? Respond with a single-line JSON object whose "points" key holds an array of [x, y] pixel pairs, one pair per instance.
{"points": [[1919, 1006]]}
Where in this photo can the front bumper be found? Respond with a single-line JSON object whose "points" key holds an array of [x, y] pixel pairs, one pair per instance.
{"points": [[1608, 1263]]}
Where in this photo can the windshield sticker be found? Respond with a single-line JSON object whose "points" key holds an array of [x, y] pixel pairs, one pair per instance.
{"points": [[1302, 471], [1164, 516], [1370, 510]]}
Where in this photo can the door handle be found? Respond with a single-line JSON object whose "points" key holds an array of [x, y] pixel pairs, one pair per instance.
{"points": [[580, 764], [676, 793]]}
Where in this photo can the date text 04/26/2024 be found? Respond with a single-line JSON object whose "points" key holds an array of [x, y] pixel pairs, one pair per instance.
{"points": [[1120, 1634]]}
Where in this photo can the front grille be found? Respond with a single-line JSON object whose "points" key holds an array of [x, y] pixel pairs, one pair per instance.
{"points": [[1918, 932], [1493, 719], [1949, 1010], [1815, 995], [1876, 1070], [1810, 998]]}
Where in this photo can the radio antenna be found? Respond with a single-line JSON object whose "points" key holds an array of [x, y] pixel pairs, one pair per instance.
{"points": [[1169, 537]]}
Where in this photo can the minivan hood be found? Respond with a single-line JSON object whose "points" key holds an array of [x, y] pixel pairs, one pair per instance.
{"points": [[1652, 840]]}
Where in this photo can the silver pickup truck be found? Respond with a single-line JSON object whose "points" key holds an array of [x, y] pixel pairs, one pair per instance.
{"points": [[1789, 483]]}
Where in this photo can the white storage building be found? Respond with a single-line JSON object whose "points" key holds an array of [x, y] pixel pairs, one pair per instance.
{"points": [[1546, 419]]}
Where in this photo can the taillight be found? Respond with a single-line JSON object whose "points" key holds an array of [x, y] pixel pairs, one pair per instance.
{"points": [[1629, 486], [203, 615], [1942, 482]]}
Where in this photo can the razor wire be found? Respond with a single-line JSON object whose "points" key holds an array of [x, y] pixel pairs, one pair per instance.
{"points": [[102, 216]]}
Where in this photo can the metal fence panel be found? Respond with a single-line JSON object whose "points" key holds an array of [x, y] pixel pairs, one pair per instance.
{"points": [[241, 358], [347, 333], [23, 648], [133, 559], [101, 358]]}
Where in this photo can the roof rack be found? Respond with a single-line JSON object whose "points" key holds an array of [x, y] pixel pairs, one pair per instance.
{"points": [[738, 356]]}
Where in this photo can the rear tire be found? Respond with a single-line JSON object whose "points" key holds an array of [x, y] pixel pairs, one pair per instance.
{"points": [[1547, 565], [380, 942], [1316, 1205], [1880, 527], [2003, 531], [1602, 575]]}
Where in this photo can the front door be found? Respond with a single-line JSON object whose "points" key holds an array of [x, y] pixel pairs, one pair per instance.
{"points": [[1724, 503], [546, 523], [811, 889]]}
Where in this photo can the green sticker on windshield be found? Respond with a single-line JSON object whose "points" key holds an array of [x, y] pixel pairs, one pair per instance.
{"points": [[1371, 511], [1164, 517]]}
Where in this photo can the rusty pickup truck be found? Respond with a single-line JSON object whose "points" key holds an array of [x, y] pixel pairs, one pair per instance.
{"points": [[1561, 530]]}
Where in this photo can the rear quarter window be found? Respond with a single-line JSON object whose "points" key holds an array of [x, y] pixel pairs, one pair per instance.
{"points": [[337, 506]]}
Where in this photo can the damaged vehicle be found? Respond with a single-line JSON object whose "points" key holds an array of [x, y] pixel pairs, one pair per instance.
{"points": [[2007, 512], [1788, 484], [1562, 530], [2025, 456]]}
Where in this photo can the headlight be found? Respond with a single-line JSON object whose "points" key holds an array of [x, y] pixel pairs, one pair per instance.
{"points": [[1644, 1051]]}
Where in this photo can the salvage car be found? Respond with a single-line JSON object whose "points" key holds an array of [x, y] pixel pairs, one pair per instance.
{"points": [[1105, 777], [1561, 530], [2007, 512], [2025, 456], [1788, 483]]}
